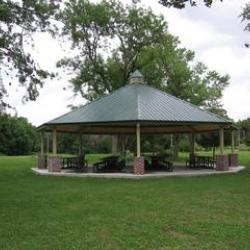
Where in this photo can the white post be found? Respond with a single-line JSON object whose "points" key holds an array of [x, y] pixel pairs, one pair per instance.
{"points": [[42, 143], [192, 143], [233, 142], [47, 143], [54, 142], [221, 141], [80, 145], [239, 137], [171, 141], [114, 144], [138, 140]]}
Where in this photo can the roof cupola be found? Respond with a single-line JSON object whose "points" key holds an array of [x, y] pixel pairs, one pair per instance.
{"points": [[136, 77]]}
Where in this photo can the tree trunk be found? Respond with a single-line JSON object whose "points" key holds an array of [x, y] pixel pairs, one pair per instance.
{"points": [[125, 142], [121, 143]]}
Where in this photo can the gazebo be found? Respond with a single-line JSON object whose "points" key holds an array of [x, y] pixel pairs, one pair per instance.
{"points": [[138, 109]]}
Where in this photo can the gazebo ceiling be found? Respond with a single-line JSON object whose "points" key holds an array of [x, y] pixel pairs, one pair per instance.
{"points": [[156, 111]]}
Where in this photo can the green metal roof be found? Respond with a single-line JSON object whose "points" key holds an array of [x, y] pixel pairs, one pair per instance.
{"points": [[138, 103]]}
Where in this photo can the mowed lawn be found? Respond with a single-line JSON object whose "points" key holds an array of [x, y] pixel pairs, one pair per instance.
{"points": [[44, 212]]}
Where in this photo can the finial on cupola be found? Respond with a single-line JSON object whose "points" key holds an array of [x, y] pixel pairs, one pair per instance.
{"points": [[136, 77]]}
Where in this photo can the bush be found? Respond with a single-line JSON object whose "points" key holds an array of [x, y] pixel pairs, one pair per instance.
{"points": [[17, 136]]}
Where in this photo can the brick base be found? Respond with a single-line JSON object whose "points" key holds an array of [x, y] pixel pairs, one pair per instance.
{"points": [[139, 166], [222, 163], [233, 160], [41, 161], [54, 164]]}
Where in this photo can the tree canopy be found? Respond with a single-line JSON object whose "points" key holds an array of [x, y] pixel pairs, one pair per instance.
{"points": [[140, 34], [113, 40], [18, 21], [245, 15], [182, 3], [245, 131]]}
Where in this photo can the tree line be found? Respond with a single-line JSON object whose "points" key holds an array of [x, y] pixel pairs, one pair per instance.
{"points": [[19, 137]]}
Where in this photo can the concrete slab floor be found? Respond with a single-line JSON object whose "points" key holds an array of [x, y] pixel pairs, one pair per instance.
{"points": [[178, 171]]}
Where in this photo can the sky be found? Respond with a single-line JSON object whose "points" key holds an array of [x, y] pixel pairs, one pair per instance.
{"points": [[215, 34]]}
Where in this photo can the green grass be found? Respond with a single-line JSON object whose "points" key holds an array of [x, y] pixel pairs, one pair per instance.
{"points": [[44, 212]]}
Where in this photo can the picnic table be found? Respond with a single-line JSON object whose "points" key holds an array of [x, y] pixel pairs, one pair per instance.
{"points": [[200, 161], [159, 163], [75, 162], [109, 164]]}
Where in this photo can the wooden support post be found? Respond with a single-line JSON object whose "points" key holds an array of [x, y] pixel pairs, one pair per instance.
{"points": [[42, 142], [138, 140], [171, 141], [233, 157], [54, 161], [222, 160], [139, 163], [47, 143], [238, 138], [41, 164], [238, 135], [233, 142], [221, 141], [192, 143], [114, 144], [54, 143], [80, 145]]}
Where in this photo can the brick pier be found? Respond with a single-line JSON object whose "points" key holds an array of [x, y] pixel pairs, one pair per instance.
{"points": [[233, 160], [54, 164], [222, 163], [139, 166], [41, 161]]}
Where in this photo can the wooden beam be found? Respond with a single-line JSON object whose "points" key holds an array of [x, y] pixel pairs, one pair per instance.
{"points": [[114, 144], [171, 141], [54, 142], [238, 135], [80, 145], [47, 143], [138, 140], [233, 142], [192, 143], [221, 141], [116, 129], [42, 142]]}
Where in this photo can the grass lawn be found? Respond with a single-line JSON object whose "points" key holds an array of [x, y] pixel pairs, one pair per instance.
{"points": [[45, 212]]}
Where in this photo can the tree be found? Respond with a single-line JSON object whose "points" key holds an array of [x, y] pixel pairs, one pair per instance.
{"points": [[245, 15], [180, 4], [70, 143], [18, 21], [91, 27], [212, 139], [142, 41], [18, 137], [245, 131]]}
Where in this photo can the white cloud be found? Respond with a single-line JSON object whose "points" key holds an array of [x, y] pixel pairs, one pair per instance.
{"points": [[236, 100], [215, 34], [52, 102], [226, 60]]}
